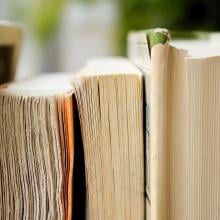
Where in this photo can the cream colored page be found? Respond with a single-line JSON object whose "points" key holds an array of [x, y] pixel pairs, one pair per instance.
{"points": [[177, 132], [110, 110], [32, 184], [185, 142], [202, 190], [194, 144]]}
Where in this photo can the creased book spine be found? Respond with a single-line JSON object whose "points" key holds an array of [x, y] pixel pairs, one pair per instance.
{"points": [[148, 50], [159, 181]]}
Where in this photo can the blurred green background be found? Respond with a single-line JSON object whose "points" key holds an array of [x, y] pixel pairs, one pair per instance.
{"points": [[172, 14], [64, 33]]}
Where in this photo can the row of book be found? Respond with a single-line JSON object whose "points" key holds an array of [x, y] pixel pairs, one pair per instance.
{"points": [[123, 138]]}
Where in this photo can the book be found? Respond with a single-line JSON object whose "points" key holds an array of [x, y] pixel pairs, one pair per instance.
{"points": [[73, 144], [182, 129], [10, 45], [120, 139]]}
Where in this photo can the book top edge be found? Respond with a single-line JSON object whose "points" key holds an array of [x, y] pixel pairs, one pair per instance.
{"points": [[110, 66], [176, 34], [52, 84], [42, 85]]}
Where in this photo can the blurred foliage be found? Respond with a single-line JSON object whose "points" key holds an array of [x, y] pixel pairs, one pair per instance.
{"points": [[46, 18], [85, 1], [41, 16], [171, 14]]}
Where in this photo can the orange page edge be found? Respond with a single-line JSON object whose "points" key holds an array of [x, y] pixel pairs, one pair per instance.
{"points": [[69, 119]]}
